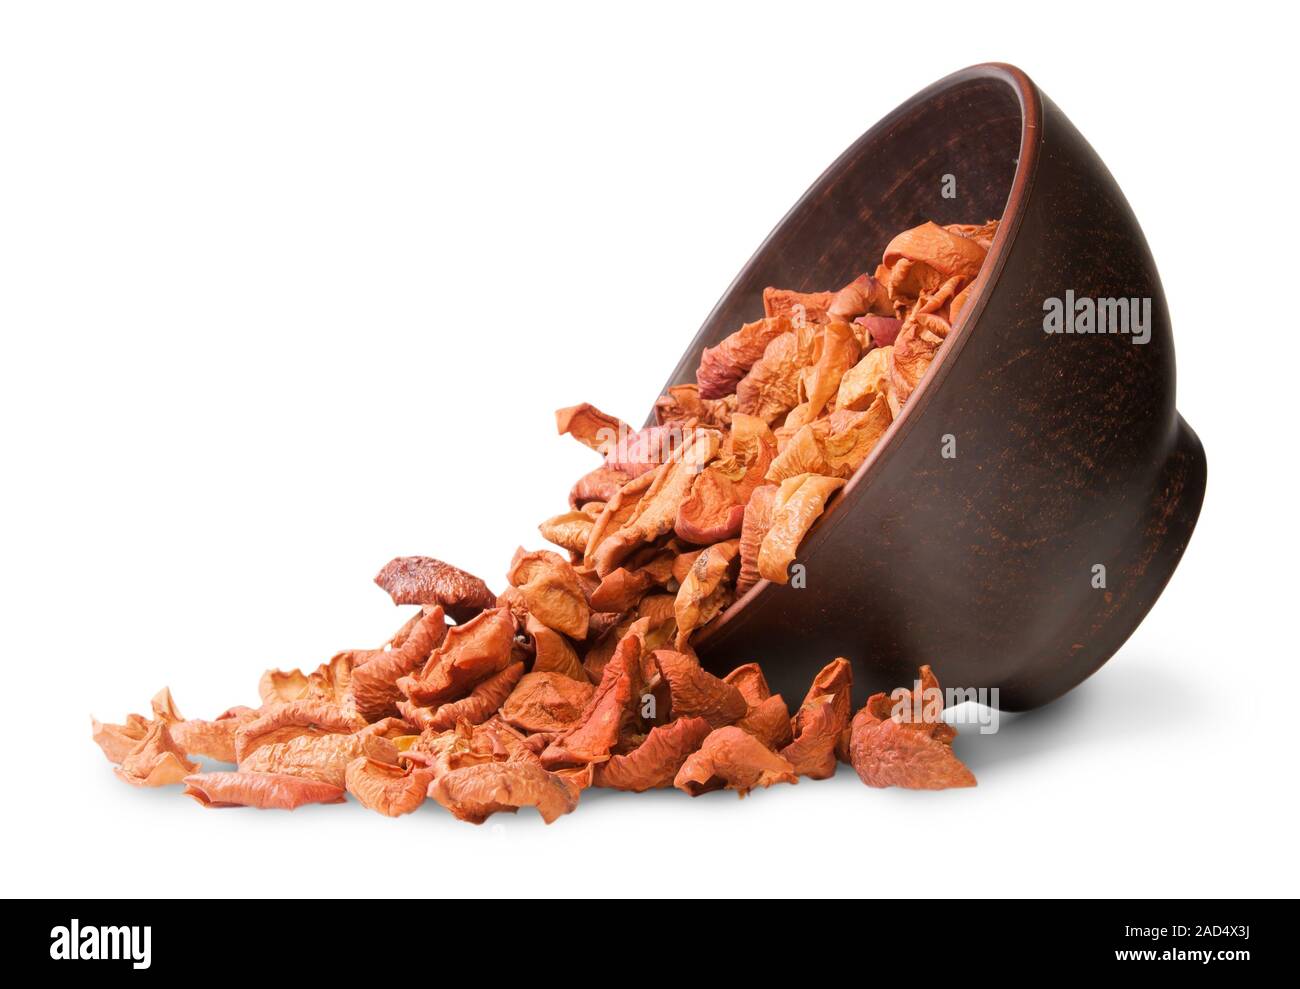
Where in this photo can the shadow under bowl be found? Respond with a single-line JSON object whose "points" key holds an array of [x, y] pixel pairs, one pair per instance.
{"points": [[1069, 453]]}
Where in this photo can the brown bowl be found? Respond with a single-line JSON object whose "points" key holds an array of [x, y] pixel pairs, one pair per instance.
{"points": [[1069, 451]]}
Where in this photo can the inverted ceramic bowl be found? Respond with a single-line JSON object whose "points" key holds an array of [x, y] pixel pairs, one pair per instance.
{"points": [[1070, 454]]}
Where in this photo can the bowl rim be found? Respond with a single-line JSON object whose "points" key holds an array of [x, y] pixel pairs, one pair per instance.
{"points": [[1031, 116]]}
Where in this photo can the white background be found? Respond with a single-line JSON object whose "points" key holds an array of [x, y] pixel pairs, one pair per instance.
{"points": [[287, 290]]}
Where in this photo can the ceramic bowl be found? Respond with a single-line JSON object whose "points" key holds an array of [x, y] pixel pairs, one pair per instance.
{"points": [[1023, 562]]}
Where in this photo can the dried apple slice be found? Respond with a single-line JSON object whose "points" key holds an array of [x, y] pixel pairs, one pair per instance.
{"points": [[482, 702], [468, 655], [821, 720], [839, 352], [374, 683], [475, 793], [269, 791], [798, 307], [656, 511], [722, 367], [387, 788], [656, 761], [591, 427], [771, 388], [715, 507], [612, 705], [552, 591], [865, 380], [695, 692], [835, 446], [155, 760], [424, 580], [890, 746], [941, 249], [547, 702], [706, 591], [796, 507], [732, 758]]}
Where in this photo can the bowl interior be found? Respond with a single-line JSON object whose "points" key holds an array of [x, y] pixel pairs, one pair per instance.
{"points": [[950, 154], [968, 127]]}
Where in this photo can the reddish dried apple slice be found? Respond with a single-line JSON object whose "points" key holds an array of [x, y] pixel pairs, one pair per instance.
{"points": [[796, 507], [705, 591], [694, 692], [656, 761], [722, 367], [591, 427], [547, 702], [798, 307], [732, 758], [820, 721], [552, 591], [891, 746], [424, 580], [389, 789], [468, 655], [715, 507], [475, 793], [374, 683], [267, 791]]}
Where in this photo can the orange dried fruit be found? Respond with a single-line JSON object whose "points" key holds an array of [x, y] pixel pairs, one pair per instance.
{"points": [[547, 702], [732, 758], [424, 580], [758, 519], [682, 406], [751, 683], [552, 591], [621, 589], [568, 531], [838, 351], [281, 722], [810, 307], [722, 367], [705, 591], [317, 757], [771, 388], [155, 760], [715, 506], [695, 692], [591, 427], [901, 741], [475, 793], [656, 761], [914, 351], [682, 517], [835, 446], [656, 511], [469, 654], [483, 702], [264, 790], [330, 682], [860, 297], [944, 251], [390, 789], [798, 503], [613, 704], [599, 485], [769, 722], [866, 380], [374, 683], [820, 721]]}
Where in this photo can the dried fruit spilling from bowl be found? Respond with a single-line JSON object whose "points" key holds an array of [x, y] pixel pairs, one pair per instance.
{"points": [[581, 672]]}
